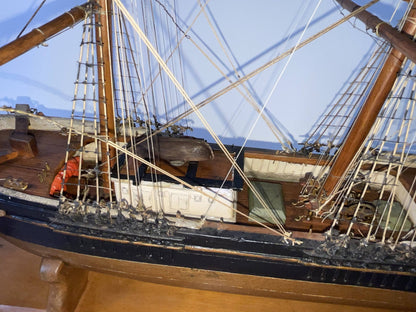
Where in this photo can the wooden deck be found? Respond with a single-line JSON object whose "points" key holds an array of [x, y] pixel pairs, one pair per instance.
{"points": [[34, 171], [39, 172]]}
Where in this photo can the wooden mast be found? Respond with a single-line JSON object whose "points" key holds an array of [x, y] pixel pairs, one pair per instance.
{"points": [[399, 40], [105, 87], [377, 96], [39, 35]]}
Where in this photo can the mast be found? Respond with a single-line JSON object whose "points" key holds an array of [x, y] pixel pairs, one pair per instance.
{"points": [[39, 35], [105, 87], [377, 96], [399, 40]]}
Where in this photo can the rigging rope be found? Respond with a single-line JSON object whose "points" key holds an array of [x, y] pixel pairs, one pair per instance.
{"points": [[392, 127], [142, 160], [260, 109], [264, 67], [283, 71], [337, 118], [194, 108], [268, 210], [173, 19], [283, 140], [337, 135], [30, 19]]}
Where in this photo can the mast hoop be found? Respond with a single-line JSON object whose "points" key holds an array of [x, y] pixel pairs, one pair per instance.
{"points": [[40, 30], [73, 18], [377, 26]]}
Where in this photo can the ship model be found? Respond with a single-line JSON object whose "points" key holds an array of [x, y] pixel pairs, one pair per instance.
{"points": [[117, 188]]}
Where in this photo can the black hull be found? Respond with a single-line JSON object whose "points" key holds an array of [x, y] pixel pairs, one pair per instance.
{"points": [[248, 254]]}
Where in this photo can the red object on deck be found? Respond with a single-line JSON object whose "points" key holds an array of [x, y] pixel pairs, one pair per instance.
{"points": [[72, 170]]}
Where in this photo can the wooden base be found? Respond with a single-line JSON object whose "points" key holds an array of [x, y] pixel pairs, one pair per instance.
{"points": [[67, 284], [229, 282], [21, 290]]}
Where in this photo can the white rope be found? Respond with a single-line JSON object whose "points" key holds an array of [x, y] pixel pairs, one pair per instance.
{"points": [[194, 108], [249, 99], [96, 129], [74, 102], [147, 163], [268, 210], [384, 126], [197, 189], [265, 66], [185, 35], [121, 80], [283, 140], [267, 101]]}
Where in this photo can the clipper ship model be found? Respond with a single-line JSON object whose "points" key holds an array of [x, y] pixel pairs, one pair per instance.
{"points": [[114, 189]]}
